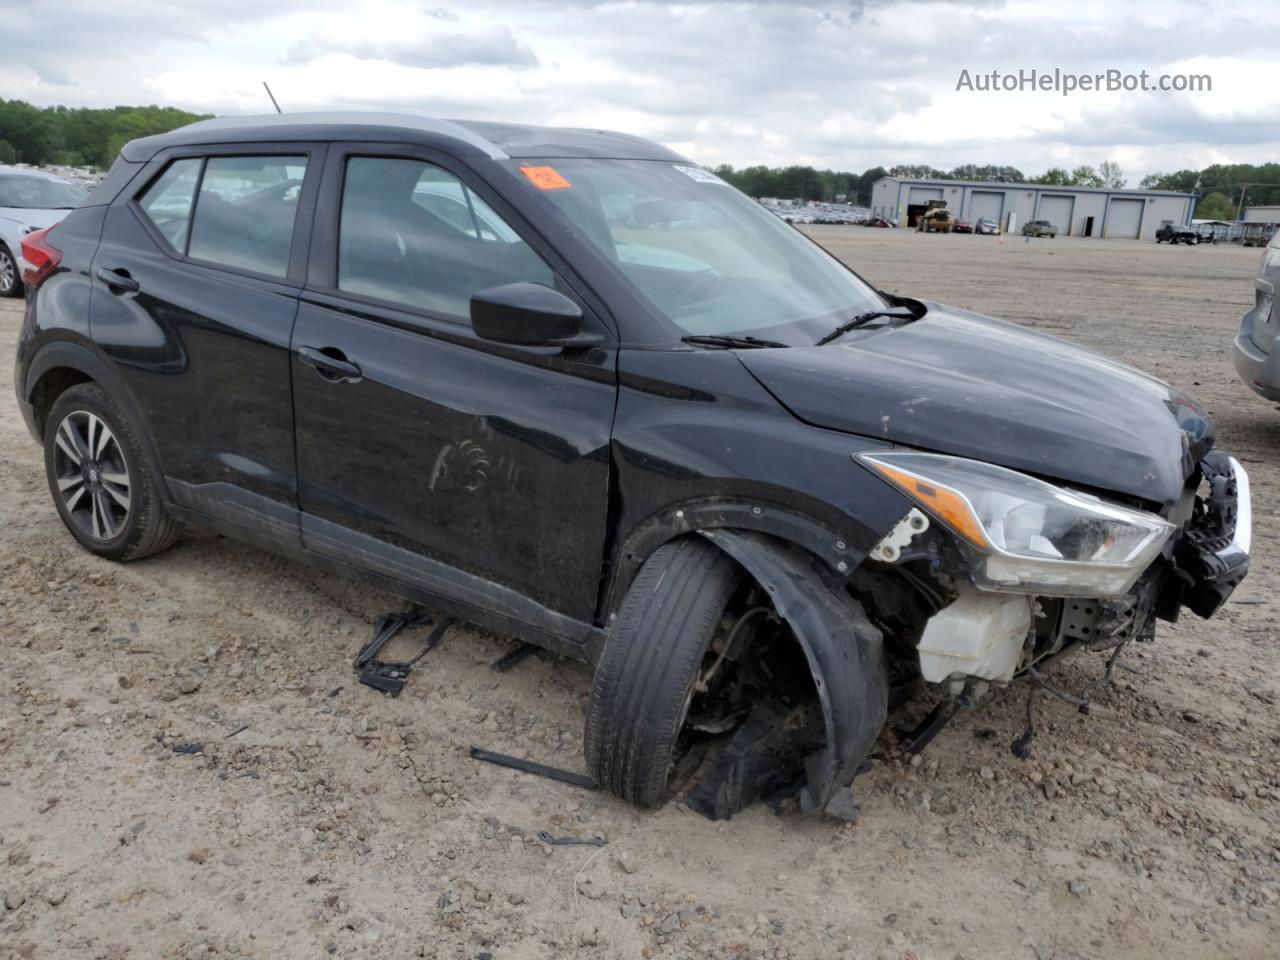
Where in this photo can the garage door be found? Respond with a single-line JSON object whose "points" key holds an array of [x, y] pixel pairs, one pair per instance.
{"points": [[1124, 217], [1057, 210], [984, 204], [924, 194]]}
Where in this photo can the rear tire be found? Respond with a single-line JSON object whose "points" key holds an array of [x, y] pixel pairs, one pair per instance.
{"points": [[10, 282], [101, 481], [645, 680]]}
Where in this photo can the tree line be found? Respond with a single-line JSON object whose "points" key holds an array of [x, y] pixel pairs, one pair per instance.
{"points": [[808, 183], [79, 136], [1220, 187], [1223, 186]]}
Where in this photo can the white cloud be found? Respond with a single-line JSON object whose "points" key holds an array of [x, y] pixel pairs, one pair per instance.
{"points": [[846, 84]]}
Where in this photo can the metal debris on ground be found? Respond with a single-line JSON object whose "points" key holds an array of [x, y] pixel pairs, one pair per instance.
{"points": [[391, 676], [571, 841], [538, 769]]}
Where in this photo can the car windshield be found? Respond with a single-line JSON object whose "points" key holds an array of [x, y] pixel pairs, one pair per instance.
{"points": [[707, 258], [38, 193]]}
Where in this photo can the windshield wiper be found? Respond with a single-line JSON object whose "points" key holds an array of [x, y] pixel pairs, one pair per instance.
{"points": [[862, 319], [744, 343]]}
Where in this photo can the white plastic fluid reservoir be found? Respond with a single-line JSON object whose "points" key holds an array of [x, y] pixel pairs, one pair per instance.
{"points": [[980, 635]]}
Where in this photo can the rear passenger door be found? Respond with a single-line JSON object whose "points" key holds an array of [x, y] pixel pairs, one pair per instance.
{"points": [[194, 298], [473, 470]]}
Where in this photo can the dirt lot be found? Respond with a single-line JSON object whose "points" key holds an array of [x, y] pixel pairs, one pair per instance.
{"points": [[318, 818]]}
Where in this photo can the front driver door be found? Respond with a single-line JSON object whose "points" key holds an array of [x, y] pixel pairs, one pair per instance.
{"points": [[476, 471]]}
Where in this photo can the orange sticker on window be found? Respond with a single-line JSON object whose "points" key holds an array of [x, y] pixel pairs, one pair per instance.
{"points": [[546, 178]]}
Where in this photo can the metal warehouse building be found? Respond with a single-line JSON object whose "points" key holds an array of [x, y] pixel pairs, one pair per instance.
{"points": [[1075, 211]]}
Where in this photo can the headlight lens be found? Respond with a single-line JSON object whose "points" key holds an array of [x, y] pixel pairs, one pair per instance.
{"points": [[1028, 536]]}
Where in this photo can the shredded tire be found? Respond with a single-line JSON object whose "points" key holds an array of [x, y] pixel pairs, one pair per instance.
{"points": [[645, 677]]}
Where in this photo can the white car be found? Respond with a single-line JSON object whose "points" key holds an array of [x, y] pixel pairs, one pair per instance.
{"points": [[29, 200]]}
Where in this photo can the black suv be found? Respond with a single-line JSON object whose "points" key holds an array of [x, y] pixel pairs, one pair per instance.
{"points": [[1177, 233], [570, 386]]}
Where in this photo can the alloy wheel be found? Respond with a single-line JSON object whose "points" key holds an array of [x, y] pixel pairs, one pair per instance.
{"points": [[92, 475], [8, 273]]}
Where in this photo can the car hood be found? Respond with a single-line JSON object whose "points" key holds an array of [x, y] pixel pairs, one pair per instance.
{"points": [[959, 383]]}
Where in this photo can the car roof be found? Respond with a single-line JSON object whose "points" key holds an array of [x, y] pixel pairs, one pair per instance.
{"points": [[498, 141]]}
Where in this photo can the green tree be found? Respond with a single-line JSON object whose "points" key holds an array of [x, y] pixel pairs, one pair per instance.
{"points": [[1215, 206], [79, 135], [1055, 177], [1111, 174], [1085, 176], [989, 173], [1183, 181], [918, 171]]}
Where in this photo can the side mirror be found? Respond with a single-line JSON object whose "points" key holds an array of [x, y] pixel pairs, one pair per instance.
{"points": [[528, 314]]}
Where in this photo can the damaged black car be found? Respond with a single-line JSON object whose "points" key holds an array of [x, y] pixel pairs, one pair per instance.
{"points": [[574, 388]]}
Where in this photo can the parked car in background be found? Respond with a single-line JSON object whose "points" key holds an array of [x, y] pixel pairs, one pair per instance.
{"points": [[1177, 233], [617, 410], [1257, 352], [986, 225], [1039, 228], [962, 226], [29, 200]]}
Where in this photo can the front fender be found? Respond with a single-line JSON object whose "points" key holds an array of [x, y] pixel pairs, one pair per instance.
{"points": [[845, 654]]}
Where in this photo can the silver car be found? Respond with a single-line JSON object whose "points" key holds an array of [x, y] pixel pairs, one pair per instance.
{"points": [[29, 200], [1257, 355]]}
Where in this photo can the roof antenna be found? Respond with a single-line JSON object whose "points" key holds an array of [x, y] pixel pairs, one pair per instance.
{"points": [[272, 96]]}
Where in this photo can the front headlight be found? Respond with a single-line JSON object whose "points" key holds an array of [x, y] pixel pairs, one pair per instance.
{"points": [[1025, 535]]}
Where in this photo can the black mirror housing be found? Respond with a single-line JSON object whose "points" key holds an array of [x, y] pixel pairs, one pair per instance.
{"points": [[525, 314]]}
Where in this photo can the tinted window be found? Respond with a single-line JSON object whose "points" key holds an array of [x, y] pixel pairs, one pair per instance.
{"points": [[167, 202], [245, 211], [413, 233]]}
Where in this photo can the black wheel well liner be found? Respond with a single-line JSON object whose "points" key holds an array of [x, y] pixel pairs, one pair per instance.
{"points": [[51, 385], [844, 651], [61, 364]]}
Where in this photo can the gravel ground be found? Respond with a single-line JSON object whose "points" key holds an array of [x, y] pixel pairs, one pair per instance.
{"points": [[188, 769]]}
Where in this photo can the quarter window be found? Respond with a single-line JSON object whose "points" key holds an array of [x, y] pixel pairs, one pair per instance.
{"points": [[167, 202], [413, 233]]}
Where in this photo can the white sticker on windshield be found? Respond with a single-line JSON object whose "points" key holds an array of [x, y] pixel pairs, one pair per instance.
{"points": [[697, 173]]}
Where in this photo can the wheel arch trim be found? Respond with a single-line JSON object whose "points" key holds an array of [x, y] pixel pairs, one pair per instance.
{"points": [[57, 354]]}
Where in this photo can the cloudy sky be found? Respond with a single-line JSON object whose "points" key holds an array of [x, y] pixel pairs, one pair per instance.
{"points": [[847, 85]]}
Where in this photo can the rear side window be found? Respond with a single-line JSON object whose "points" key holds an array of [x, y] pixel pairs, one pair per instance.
{"points": [[245, 210], [413, 233], [167, 202]]}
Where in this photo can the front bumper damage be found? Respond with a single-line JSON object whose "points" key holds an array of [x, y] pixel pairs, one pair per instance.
{"points": [[991, 637], [1205, 563], [814, 750]]}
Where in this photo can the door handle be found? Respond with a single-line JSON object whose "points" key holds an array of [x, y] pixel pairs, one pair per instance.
{"points": [[331, 363], [118, 280]]}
